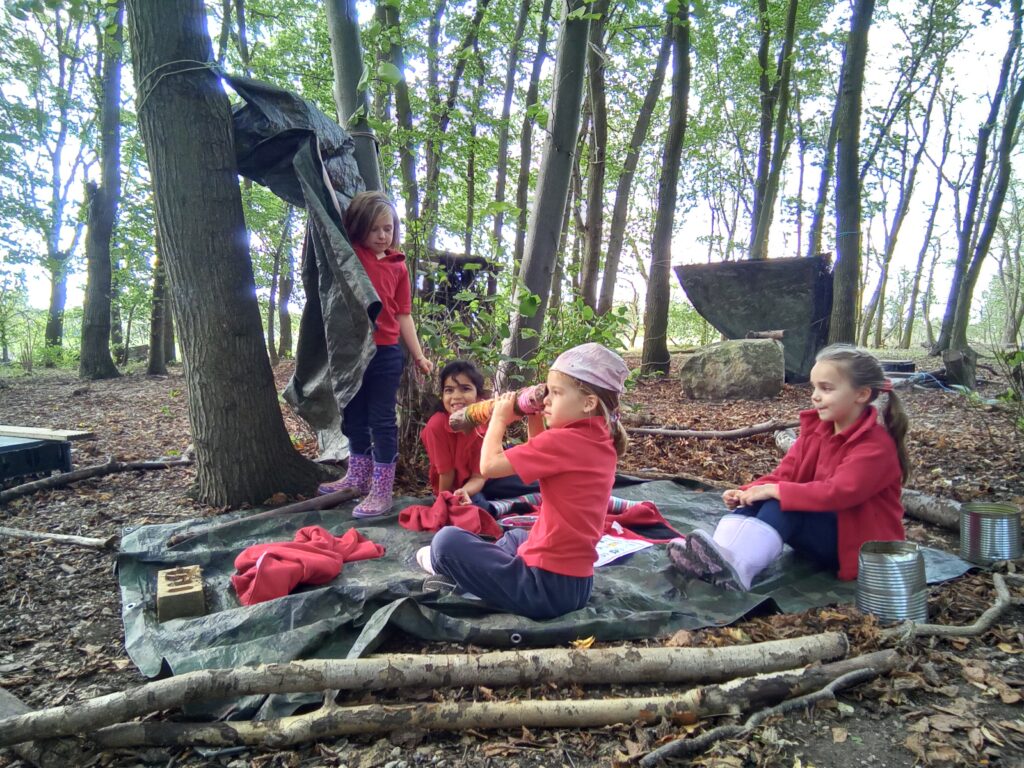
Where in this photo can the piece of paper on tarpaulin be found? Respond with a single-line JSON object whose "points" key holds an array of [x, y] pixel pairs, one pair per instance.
{"points": [[285, 143], [635, 598]]}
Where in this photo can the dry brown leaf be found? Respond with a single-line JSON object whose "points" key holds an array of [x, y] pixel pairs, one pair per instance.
{"points": [[839, 735], [583, 643], [915, 743], [921, 726], [684, 638]]}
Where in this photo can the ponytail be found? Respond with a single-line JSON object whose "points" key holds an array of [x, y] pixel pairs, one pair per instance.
{"points": [[896, 422], [609, 402], [619, 437]]}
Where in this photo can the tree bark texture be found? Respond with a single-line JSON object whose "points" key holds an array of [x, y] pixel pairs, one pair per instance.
{"points": [[157, 326], [598, 147], [655, 350], [95, 361], [846, 276], [243, 452]]}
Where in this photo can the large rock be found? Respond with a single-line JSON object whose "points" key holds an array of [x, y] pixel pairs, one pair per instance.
{"points": [[742, 369]]}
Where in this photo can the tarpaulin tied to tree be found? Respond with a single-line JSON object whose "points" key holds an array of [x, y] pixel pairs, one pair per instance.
{"points": [[285, 143]]}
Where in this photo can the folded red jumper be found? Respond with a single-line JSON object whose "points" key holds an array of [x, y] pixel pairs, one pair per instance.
{"points": [[266, 571], [447, 510]]}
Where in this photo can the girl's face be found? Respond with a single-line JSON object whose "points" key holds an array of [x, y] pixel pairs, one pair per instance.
{"points": [[834, 397], [458, 392], [565, 402], [379, 238]]}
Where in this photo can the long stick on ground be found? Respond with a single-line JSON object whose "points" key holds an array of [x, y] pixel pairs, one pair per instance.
{"points": [[333, 721], [560, 665], [44, 753], [686, 746], [109, 467], [908, 630], [327, 501], [60, 538], [728, 434]]}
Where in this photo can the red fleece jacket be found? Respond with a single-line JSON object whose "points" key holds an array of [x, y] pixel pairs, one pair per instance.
{"points": [[855, 474], [266, 571]]}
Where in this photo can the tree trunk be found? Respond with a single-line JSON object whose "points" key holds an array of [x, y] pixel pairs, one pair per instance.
{"points": [[170, 355], [526, 137], [95, 361], [403, 114], [283, 246], [814, 234], [243, 452], [846, 275], [1007, 141], [598, 148], [157, 325], [552, 185], [285, 345], [655, 351], [764, 214], [353, 104], [957, 312], [54, 336], [617, 229], [501, 174]]}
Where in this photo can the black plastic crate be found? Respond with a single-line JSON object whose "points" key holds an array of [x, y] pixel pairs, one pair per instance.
{"points": [[21, 456]]}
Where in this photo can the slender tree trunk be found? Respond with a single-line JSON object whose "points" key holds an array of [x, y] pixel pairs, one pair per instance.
{"points": [[847, 271], [769, 188], [501, 173], [929, 292], [960, 292], [624, 189], [555, 305], [353, 104], [285, 344], [403, 114], [526, 136], [655, 351], [552, 184], [767, 96], [814, 235], [95, 361], [596, 164], [170, 355], [157, 325], [243, 452]]}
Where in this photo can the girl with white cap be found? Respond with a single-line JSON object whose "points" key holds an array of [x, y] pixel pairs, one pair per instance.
{"points": [[550, 570]]}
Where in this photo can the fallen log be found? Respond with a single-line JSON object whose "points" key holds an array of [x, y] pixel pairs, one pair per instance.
{"points": [[317, 502], [61, 538], [908, 630], [97, 470], [777, 335], [333, 721], [43, 752], [944, 513], [687, 746], [726, 434], [503, 668]]}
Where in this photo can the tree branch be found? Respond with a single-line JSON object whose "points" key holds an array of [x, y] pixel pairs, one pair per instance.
{"points": [[728, 434]]}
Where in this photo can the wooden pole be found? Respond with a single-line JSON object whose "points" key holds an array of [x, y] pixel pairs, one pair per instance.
{"points": [[728, 434], [60, 538]]}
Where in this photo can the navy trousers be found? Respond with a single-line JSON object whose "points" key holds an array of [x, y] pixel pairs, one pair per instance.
{"points": [[811, 534], [369, 420], [502, 488], [493, 573]]}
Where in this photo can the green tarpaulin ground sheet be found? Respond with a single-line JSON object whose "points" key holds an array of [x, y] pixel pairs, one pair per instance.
{"points": [[639, 597]]}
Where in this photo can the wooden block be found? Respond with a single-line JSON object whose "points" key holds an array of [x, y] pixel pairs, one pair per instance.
{"points": [[45, 434], [179, 593]]}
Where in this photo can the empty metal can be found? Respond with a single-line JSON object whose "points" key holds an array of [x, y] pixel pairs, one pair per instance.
{"points": [[891, 581], [989, 532]]}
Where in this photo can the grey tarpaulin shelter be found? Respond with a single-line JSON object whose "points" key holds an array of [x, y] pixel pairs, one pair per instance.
{"points": [[304, 157]]}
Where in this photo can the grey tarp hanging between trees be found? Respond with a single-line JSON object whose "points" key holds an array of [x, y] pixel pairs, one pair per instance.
{"points": [[305, 158], [639, 597]]}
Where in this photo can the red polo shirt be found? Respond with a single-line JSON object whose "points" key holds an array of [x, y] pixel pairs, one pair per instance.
{"points": [[390, 279], [575, 465], [855, 474], [450, 450]]}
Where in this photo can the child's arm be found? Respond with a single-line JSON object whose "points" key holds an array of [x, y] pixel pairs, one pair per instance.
{"points": [[407, 331], [493, 462], [445, 481], [534, 425], [863, 472], [473, 486]]}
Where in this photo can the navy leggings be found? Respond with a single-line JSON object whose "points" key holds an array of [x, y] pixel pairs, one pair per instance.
{"points": [[493, 573], [811, 534], [502, 488], [368, 421]]}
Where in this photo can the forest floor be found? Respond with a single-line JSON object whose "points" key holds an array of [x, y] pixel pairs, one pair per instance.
{"points": [[955, 701]]}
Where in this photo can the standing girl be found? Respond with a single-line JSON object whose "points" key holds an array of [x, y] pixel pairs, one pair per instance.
{"points": [[838, 486], [455, 456], [550, 570], [368, 421]]}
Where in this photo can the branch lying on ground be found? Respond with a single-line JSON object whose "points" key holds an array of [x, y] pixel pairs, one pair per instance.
{"points": [[908, 630], [327, 501], [60, 538], [559, 665], [97, 470], [686, 746], [945, 513], [332, 721], [727, 434]]}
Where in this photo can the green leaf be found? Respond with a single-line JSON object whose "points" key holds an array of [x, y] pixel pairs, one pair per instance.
{"points": [[389, 73], [364, 79], [527, 333], [529, 304]]}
